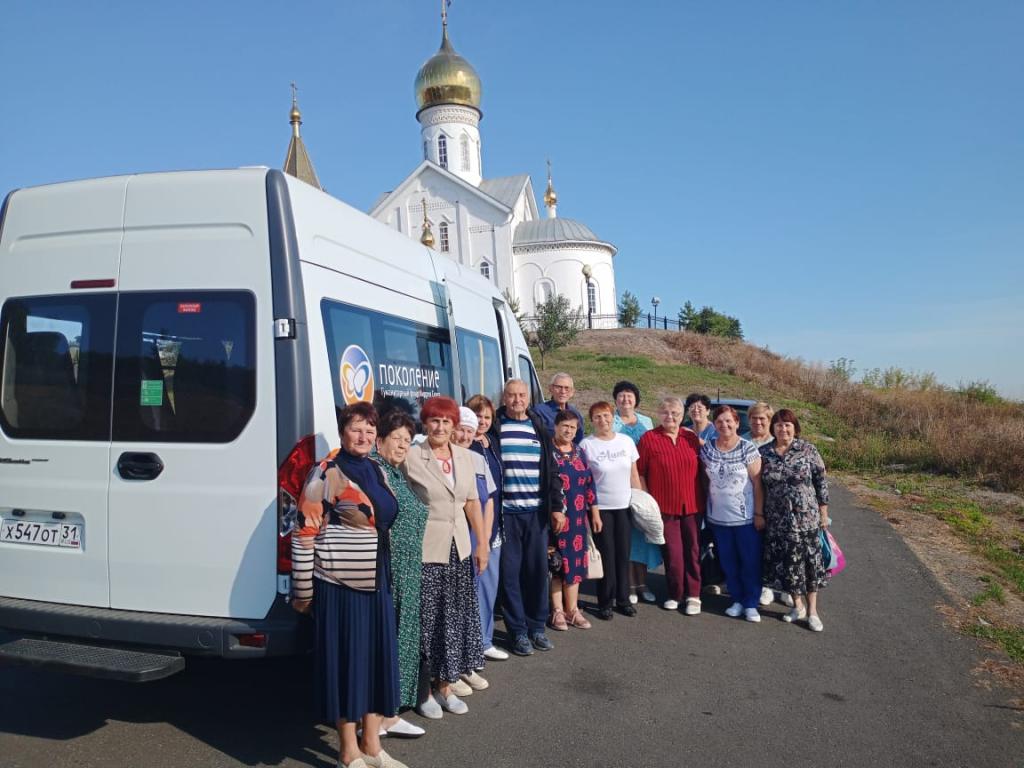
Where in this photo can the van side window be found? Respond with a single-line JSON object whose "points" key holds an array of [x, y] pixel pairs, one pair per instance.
{"points": [[479, 365], [385, 360], [56, 363], [527, 373], [186, 366]]}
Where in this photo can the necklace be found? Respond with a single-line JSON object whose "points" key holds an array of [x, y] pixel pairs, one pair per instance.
{"points": [[445, 462]]}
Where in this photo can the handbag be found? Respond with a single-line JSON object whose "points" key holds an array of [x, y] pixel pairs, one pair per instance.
{"points": [[838, 559], [595, 566], [826, 548]]}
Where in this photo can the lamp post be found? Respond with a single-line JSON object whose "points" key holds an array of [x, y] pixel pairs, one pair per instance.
{"points": [[655, 301], [587, 272]]}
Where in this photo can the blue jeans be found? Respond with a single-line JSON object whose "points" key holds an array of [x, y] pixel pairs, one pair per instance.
{"points": [[739, 551], [487, 593]]}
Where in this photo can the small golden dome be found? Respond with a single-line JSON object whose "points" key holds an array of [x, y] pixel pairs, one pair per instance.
{"points": [[427, 238], [550, 197], [447, 78]]}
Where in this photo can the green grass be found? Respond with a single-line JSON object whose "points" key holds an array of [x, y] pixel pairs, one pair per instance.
{"points": [[994, 591], [1010, 639]]}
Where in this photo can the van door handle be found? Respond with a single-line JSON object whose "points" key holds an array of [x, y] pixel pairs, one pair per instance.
{"points": [[139, 466]]}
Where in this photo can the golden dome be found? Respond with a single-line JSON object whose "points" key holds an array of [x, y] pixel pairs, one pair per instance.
{"points": [[447, 78]]}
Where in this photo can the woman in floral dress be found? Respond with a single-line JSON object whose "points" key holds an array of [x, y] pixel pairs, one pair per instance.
{"points": [[569, 528], [796, 510], [394, 436]]}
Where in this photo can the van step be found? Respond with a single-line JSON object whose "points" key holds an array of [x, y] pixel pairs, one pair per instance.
{"points": [[90, 660]]}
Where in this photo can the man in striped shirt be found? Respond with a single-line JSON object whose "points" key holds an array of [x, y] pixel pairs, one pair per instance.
{"points": [[531, 492]]}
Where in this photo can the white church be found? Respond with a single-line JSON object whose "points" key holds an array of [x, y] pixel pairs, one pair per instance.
{"points": [[490, 224]]}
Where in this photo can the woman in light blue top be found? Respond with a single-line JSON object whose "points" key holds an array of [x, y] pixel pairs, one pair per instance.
{"points": [[642, 555]]}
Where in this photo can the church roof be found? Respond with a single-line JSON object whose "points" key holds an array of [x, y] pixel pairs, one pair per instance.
{"points": [[296, 161], [505, 189], [555, 231]]}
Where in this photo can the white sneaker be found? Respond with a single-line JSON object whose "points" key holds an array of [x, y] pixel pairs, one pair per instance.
{"points": [[670, 605], [461, 688], [475, 681], [795, 615], [404, 730], [383, 760], [767, 596], [453, 703], [785, 598], [692, 606], [648, 597], [633, 599], [430, 709], [751, 614], [734, 610], [814, 623], [495, 654]]}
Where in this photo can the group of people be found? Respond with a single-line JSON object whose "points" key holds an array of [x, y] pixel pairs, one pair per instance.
{"points": [[409, 539]]}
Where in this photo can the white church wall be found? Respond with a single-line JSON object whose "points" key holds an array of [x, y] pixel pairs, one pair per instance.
{"points": [[563, 267]]}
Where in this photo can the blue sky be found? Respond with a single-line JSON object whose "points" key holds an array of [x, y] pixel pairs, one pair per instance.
{"points": [[846, 178]]}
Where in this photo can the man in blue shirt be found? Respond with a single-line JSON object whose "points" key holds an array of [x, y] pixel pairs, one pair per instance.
{"points": [[561, 390], [531, 493]]}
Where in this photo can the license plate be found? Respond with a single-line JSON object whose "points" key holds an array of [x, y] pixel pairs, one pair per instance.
{"points": [[45, 534]]}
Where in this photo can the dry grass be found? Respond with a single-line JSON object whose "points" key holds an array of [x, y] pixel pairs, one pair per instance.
{"points": [[932, 429]]}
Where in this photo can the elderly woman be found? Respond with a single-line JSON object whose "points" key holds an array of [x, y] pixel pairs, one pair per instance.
{"points": [[612, 458], [443, 476], [487, 582], [760, 416], [569, 528], [643, 556], [698, 408], [395, 431], [356, 639], [796, 509], [669, 468], [733, 469]]}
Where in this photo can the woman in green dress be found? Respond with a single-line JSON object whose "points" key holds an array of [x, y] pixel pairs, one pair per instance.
{"points": [[394, 436]]}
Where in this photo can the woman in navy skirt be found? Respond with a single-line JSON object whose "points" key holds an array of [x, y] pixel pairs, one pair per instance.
{"points": [[356, 634]]}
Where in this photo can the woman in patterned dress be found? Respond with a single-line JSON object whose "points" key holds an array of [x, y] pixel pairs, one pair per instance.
{"points": [[796, 510], [394, 436], [443, 475], [569, 528]]}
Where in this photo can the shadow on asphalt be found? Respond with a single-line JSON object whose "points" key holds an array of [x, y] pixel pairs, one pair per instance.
{"points": [[257, 712]]}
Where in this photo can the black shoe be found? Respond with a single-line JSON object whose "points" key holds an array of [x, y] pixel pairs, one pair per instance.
{"points": [[605, 614], [540, 641], [626, 610]]}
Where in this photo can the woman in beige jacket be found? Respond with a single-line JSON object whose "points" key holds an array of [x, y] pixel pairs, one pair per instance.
{"points": [[443, 475]]}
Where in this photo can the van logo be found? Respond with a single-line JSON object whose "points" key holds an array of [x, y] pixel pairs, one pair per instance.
{"points": [[356, 375]]}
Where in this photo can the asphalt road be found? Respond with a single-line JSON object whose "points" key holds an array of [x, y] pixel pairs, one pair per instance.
{"points": [[886, 684]]}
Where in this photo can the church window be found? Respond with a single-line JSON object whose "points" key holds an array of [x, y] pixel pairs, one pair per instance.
{"points": [[591, 297], [425, 155], [442, 151], [485, 269], [464, 151], [443, 234], [479, 160], [545, 291]]}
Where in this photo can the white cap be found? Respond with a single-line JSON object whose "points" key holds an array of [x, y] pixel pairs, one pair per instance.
{"points": [[467, 418]]}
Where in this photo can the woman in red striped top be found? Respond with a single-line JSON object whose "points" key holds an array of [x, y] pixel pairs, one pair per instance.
{"points": [[669, 469]]}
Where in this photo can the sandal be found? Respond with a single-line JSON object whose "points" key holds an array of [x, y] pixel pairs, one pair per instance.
{"points": [[577, 619], [557, 620]]}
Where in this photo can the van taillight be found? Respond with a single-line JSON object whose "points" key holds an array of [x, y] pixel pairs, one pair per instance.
{"points": [[290, 477]]}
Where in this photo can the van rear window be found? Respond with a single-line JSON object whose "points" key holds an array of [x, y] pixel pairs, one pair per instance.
{"points": [[186, 366], [56, 365]]}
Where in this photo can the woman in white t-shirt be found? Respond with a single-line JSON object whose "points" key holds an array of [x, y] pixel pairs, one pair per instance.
{"points": [[612, 457], [735, 510]]}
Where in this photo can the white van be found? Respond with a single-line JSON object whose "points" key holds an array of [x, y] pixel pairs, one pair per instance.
{"points": [[173, 349]]}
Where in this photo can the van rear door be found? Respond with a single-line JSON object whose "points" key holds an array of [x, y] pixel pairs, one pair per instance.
{"points": [[193, 460], [56, 342]]}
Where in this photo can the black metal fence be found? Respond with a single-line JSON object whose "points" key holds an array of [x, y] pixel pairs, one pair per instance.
{"points": [[646, 320]]}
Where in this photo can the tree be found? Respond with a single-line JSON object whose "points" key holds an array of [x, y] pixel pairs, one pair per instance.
{"points": [[709, 322], [557, 325], [513, 305], [629, 310]]}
